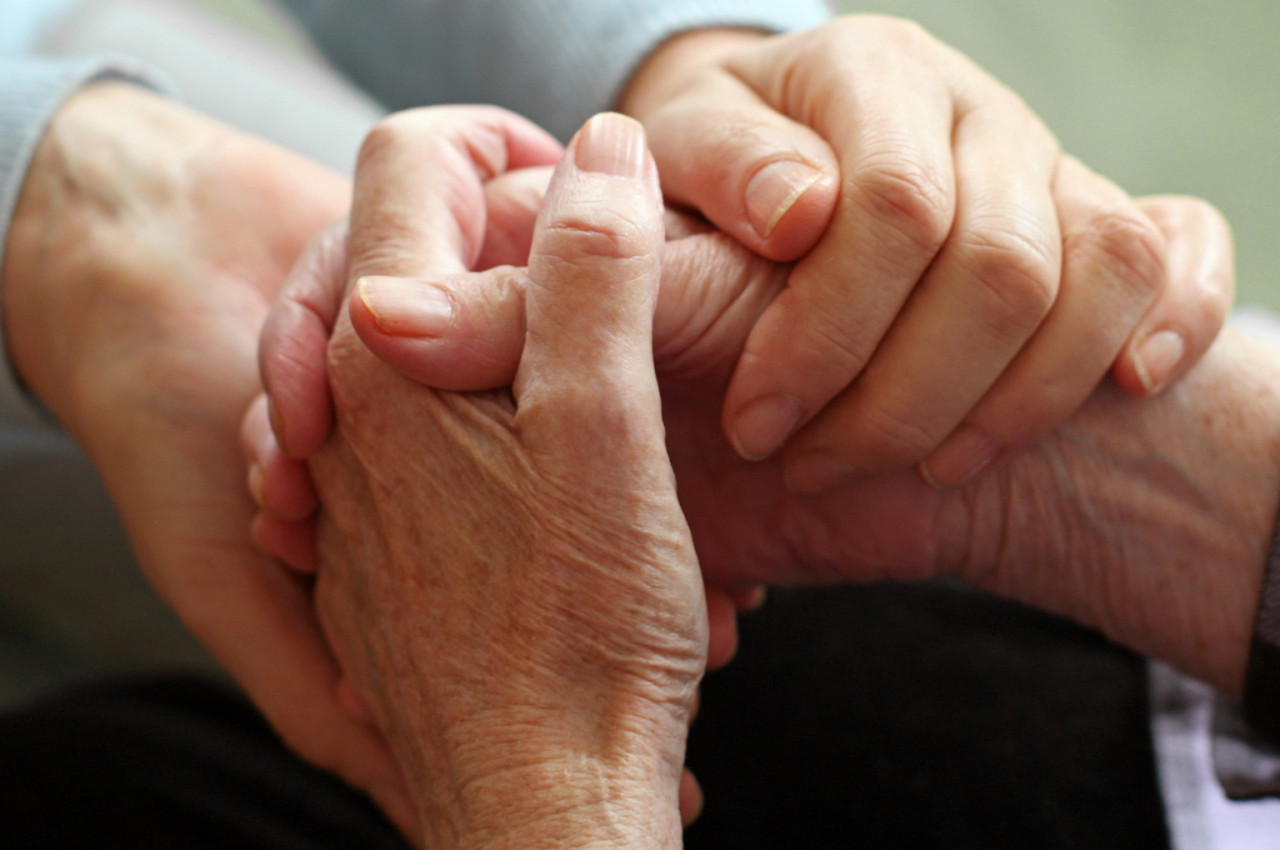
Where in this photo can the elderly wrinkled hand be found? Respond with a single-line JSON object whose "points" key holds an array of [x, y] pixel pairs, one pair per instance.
{"points": [[507, 577]]}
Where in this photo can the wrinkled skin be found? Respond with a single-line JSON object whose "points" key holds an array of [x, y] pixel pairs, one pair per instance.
{"points": [[507, 577], [1112, 520]]}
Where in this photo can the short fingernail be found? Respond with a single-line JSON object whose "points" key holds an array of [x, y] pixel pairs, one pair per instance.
{"points": [[1157, 357], [611, 144], [960, 458], [774, 190], [814, 472], [764, 425], [407, 306], [255, 484], [277, 423]]}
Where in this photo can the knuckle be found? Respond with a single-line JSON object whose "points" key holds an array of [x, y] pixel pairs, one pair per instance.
{"points": [[1128, 242], [599, 233], [833, 342], [910, 198], [900, 30], [388, 135], [1020, 272]]}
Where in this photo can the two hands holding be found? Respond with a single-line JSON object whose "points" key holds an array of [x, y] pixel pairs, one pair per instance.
{"points": [[969, 314], [492, 565]]}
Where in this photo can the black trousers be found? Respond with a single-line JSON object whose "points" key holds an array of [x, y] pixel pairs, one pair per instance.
{"points": [[878, 717]]}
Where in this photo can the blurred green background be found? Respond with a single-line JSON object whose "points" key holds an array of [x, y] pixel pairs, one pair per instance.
{"points": [[1178, 96]]}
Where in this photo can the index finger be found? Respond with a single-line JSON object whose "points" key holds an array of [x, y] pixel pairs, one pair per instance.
{"points": [[418, 206], [890, 122]]}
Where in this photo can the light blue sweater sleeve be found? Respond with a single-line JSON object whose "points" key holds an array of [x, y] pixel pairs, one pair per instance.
{"points": [[31, 90], [555, 61]]}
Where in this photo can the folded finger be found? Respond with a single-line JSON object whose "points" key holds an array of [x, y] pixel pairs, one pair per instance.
{"points": [[1192, 307], [1113, 269]]}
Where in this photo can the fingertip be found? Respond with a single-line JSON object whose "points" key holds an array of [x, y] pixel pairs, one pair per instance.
{"points": [[691, 799], [399, 306], [295, 376], [462, 332], [761, 426], [788, 206], [964, 455], [750, 599], [1150, 363], [722, 619]]}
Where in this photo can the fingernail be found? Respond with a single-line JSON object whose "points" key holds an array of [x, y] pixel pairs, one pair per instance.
{"points": [[1157, 357], [611, 144], [814, 472], [764, 425], [774, 190], [277, 422], [255, 484], [960, 458], [404, 306]]}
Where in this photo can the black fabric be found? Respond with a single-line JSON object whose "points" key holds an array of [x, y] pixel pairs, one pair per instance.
{"points": [[881, 717], [171, 762], [1262, 691], [1262, 676], [924, 717]]}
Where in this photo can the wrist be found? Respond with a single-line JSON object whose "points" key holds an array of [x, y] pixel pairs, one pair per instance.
{"points": [[102, 178], [527, 782], [674, 64], [1151, 520]]}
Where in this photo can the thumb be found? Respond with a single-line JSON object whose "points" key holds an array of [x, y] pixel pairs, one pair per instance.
{"points": [[711, 294], [594, 268], [769, 181]]}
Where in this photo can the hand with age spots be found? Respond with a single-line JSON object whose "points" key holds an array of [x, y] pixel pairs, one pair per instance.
{"points": [[507, 577]]}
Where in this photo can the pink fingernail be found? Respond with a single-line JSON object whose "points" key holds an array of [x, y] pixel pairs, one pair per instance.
{"points": [[406, 306], [611, 144], [277, 422], [774, 190], [764, 425], [256, 477], [960, 458], [1157, 357]]}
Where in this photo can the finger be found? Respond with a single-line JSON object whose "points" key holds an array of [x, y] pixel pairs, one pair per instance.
{"points": [[1190, 310], [513, 201], [691, 798], [751, 599], [987, 291], [291, 349], [279, 484], [768, 181], [418, 206], [892, 134], [459, 332], [1113, 267], [587, 364], [712, 292], [456, 220], [416, 323], [722, 618]]}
